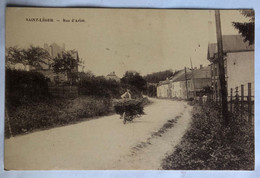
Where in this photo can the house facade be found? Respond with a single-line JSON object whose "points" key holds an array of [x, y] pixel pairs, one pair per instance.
{"points": [[238, 63], [163, 89]]}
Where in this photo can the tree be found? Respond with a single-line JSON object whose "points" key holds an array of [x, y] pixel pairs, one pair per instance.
{"points": [[65, 63], [30, 56], [14, 55], [247, 29], [134, 79], [158, 76]]}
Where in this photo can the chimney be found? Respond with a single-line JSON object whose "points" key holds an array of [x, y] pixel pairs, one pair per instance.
{"points": [[201, 67]]}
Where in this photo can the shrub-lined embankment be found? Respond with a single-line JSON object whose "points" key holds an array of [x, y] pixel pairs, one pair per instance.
{"points": [[210, 145]]}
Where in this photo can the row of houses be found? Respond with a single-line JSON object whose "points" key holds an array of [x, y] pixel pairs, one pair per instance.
{"points": [[190, 83], [185, 84]]}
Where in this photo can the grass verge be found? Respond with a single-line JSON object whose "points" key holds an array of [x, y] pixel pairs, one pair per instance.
{"points": [[54, 112], [209, 145]]}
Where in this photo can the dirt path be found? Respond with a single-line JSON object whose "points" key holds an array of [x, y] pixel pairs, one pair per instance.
{"points": [[104, 143]]}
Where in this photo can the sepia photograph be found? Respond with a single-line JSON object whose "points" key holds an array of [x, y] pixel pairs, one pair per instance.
{"points": [[129, 89]]}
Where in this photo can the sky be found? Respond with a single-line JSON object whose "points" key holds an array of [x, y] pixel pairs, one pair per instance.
{"points": [[142, 40]]}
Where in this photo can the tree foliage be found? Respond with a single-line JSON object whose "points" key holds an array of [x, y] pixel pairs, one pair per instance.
{"points": [[247, 29], [98, 86], [158, 76], [30, 56], [65, 63], [134, 79]]}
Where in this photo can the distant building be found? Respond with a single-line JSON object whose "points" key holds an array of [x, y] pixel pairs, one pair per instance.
{"points": [[238, 62], [184, 85], [113, 76], [54, 49], [166, 89], [163, 89], [46, 65]]}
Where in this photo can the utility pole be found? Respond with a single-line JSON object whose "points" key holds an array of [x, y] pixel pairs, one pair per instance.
{"points": [[191, 63], [192, 88], [223, 88], [186, 83]]}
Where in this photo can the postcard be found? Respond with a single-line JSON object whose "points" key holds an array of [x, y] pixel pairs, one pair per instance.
{"points": [[129, 89]]}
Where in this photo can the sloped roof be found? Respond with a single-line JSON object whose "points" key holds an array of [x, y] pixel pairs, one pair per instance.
{"points": [[176, 74], [231, 43], [183, 77], [112, 74], [234, 43], [196, 73], [167, 81], [202, 73]]}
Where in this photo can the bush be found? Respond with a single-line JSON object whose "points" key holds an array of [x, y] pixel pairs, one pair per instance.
{"points": [[55, 112], [100, 87], [209, 145], [23, 87]]}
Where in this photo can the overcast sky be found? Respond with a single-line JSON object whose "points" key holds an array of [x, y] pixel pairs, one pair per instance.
{"points": [[118, 40]]}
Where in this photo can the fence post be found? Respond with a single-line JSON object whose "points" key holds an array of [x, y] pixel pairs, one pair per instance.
{"points": [[236, 104], [231, 100], [249, 103], [9, 123], [242, 99]]}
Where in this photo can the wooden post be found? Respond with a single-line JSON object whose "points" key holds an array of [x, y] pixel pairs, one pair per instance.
{"points": [[242, 99], [231, 100], [237, 96], [214, 83], [186, 83], [249, 103], [9, 123], [223, 88], [153, 91], [236, 105]]}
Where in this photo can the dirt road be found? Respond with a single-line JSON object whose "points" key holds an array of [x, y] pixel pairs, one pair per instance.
{"points": [[104, 143]]}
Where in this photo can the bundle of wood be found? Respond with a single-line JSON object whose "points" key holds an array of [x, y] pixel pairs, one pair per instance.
{"points": [[131, 107]]}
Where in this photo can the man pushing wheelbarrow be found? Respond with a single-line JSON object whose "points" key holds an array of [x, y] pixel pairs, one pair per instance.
{"points": [[127, 107]]}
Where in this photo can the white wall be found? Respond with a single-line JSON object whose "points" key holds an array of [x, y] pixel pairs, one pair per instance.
{"points": [[240, 70], [176, 89], [162, 91]]}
